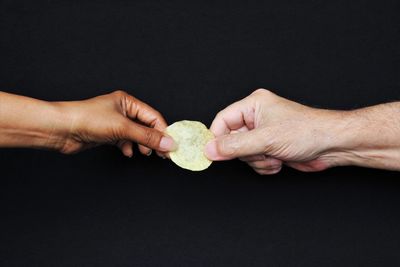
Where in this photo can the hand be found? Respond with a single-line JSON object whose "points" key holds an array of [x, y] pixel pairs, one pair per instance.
{"points": [[266, 130], [115, 118]]}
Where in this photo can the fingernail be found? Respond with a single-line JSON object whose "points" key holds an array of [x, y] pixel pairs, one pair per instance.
{"points": [[160, 154], [211, 150], [167, 144], [149, 153]]}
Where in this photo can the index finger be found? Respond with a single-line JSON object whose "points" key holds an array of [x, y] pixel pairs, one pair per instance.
{"points": [[234, 117], [144, 113]]}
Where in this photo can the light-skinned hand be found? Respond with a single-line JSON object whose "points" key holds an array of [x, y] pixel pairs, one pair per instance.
{"points": [[266, 131]]}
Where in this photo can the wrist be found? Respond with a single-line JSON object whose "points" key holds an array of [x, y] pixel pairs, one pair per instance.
{"points": [[57, 131], [341, 137], [63, 136], [362, 138]]}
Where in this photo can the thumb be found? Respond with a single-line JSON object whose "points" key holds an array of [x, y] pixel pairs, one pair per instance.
{"points": [[236, 145], [149, 137]]}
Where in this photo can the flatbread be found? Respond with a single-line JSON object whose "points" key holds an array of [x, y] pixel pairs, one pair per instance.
{"points": [[191, 137]]}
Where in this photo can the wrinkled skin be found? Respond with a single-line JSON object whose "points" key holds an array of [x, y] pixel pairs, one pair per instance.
{"points": [[266, 131]]}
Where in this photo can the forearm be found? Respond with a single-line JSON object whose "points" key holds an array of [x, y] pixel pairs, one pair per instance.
{"points": [[368, 137], [28, 122]]}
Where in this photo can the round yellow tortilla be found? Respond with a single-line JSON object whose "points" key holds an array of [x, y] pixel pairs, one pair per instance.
{"points": [[191, 137]]}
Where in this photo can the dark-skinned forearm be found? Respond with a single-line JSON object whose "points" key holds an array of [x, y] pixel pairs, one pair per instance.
{"points": [[28, 122]]}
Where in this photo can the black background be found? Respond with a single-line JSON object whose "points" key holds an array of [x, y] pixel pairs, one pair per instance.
{"points": [[189, 59]]}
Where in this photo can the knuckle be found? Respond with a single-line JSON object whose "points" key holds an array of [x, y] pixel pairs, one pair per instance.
{"points": [[268, 171], [262, 91], [261, 171], [157, 115], [275, 171], [273, 164], [70, 147], [119, 93], [219, 115]]}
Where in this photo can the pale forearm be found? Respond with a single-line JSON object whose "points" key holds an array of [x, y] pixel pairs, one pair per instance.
{"points": [[28, 122], [369, 137]]}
